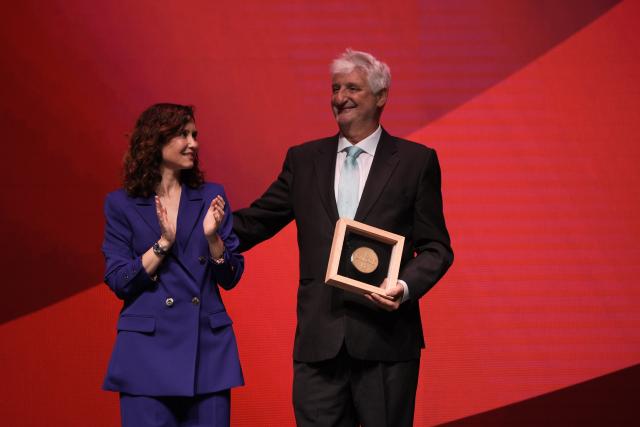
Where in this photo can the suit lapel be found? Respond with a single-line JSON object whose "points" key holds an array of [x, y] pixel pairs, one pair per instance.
{"points": [[145, 206], [325, 167], [384, 163], [188, 214]]}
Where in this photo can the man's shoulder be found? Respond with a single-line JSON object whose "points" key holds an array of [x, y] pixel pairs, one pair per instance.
{"points": [[410, 147], [315, 144], [310, 149]]}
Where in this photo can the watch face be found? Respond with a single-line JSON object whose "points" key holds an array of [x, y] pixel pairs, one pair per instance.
{"points": [[158, 250]]}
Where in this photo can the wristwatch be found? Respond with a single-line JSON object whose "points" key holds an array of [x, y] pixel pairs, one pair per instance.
{"points": [[159, 250]]}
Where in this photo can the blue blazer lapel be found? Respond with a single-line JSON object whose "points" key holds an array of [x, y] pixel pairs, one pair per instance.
{"points": [[384, 163], [325, 169], [188, 213], [146, 207]]}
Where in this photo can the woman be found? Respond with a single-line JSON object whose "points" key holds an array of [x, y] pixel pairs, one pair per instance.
{"points": [[168, 243]]}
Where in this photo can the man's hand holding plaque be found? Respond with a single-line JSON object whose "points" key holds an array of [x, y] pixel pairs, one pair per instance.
{"points": [[392, 300]]}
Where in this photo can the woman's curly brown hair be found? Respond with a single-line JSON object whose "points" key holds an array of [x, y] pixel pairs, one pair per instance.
{"points": [[154, 128]]}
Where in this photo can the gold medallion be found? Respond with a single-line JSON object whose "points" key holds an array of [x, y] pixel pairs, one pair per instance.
{"points": [[364, 259]]}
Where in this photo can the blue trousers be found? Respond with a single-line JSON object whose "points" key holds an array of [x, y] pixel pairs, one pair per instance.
{"points": [[210, 410]]}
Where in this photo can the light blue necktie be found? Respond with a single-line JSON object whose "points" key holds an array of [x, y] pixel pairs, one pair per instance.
{"points": [[349, 183]]}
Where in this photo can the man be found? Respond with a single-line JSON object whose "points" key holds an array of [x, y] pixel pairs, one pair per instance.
{"points": [[356, 358]]}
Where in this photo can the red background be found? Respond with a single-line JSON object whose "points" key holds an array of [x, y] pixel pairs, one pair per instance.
{"points": [[532, 106]]}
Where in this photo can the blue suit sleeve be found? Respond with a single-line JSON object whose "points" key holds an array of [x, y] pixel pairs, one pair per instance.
{"points": [[124, 272], [229, 273]]}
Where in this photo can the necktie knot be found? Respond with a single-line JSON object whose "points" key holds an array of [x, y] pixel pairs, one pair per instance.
{"points": [[353, 152]]}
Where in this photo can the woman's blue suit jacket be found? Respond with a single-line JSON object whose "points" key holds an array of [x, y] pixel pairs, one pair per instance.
{"points": [[174, 335]]}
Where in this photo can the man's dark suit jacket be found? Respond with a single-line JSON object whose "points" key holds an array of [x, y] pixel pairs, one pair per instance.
{"points": [[402, 195]]}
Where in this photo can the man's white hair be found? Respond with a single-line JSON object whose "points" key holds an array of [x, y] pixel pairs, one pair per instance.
{"points": [[378, 73]]}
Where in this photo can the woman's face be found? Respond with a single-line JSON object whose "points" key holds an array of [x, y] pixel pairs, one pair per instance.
{"points": [[180, 152]]}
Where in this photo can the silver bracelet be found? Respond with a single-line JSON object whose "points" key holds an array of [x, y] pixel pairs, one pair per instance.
{"points": [[217, 261]]}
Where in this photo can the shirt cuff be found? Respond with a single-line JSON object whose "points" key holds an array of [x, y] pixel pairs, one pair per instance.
{"points": [[405, 294]]}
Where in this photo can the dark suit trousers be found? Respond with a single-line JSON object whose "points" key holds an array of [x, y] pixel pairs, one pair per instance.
{"points": [[348, 392]]}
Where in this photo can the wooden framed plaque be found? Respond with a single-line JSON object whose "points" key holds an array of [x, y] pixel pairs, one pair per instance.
{"points": [[363, 256]]}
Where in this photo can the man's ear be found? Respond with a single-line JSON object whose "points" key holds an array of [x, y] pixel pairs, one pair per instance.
{"points": [[382, 97]]}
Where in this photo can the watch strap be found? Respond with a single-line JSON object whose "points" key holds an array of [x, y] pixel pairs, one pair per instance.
{"points": [[159, 250]]}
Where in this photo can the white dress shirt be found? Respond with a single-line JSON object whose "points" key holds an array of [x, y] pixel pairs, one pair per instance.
{"points": [[364, 161]]}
